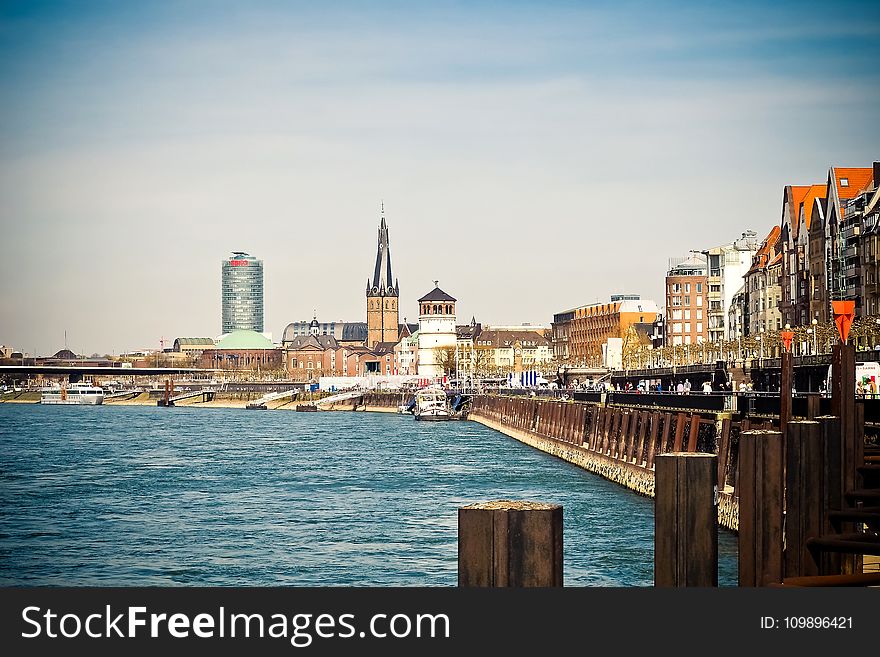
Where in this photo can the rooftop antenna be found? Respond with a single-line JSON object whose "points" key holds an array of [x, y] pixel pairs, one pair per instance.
{"points": [[383, 205]]}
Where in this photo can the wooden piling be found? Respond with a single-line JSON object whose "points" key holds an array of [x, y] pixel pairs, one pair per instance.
{"points": [[760, 489], [694, 433], [803, 495], [643, 429], [679, 432], [832, 489], [620, 448], [510, 544], [723, 453], [785, 391], [652, 442], [685, 520]]}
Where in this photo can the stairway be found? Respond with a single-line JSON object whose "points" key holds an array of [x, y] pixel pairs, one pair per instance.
{"points": [[862, 511]]}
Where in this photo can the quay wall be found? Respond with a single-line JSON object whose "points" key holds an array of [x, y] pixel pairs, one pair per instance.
{"points": [[616, 442]]}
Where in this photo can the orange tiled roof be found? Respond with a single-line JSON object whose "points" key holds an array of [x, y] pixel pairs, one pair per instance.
{"points": [[759, 260], [797, 196], [815, 191], [857, 177]]}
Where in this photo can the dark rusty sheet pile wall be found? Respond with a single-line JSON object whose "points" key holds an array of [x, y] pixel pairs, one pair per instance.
{"points": [[619, 443]]}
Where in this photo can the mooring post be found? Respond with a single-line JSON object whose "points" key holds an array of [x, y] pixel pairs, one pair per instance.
{"points": [[804, 495], [832, 486], [785, 391], [510, 544], [760, 489], [685, 520]]}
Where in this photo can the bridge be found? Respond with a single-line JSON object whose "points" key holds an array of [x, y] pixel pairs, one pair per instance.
{"points": [[75, 373]]}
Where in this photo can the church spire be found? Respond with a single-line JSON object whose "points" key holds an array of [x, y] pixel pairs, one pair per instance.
{"points": [[382, 279]]}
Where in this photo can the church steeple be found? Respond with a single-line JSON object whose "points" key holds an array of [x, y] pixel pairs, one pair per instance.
{"points": [[383, 282], [382, 294]]}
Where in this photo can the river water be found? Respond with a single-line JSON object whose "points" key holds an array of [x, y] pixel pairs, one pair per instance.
{"points": [[128, 495]]}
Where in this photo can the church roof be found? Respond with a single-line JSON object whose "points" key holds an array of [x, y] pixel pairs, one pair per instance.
{"points": [[437, 295]]}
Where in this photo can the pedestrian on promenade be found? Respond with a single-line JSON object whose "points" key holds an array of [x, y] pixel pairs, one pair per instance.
{"points": [[679, 388], [687, 386], [707, 387]]}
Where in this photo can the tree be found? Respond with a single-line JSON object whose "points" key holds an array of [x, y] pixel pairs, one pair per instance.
{"points": [[445, 358]]}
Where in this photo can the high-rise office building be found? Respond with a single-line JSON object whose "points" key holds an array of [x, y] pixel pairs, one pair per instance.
{"points": [[242, 291]]}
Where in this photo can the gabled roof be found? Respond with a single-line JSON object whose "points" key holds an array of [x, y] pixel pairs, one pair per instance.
{"points": [[814, 192], [766, 251], [383, 347], [857, 179], [406, 330], [318, 342], [795, 193], [468, 331], [437, 295]]}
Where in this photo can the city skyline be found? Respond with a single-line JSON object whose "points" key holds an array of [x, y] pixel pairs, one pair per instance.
{"points": [[141, 144]]}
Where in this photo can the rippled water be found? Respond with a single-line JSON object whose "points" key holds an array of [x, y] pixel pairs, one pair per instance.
{"points": [[151, 496]]}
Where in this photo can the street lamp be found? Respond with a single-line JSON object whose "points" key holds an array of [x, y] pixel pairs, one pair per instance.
{"points": [[815, 336]]}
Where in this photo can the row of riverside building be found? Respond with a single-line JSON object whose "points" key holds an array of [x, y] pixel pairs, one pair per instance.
{"points": [[825, 247]]}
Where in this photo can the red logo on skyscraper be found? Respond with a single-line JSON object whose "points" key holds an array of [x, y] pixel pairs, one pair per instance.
{"points": [[238, 263]]}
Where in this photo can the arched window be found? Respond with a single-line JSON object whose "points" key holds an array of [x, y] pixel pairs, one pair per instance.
{"points": [[435, 308]]}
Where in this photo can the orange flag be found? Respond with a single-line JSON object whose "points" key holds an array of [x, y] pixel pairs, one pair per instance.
{"points": [[844, 313]]}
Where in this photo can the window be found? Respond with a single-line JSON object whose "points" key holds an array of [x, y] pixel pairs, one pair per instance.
{"points": [[844, 182], [699, 327], [687, 327], [676, 288], [687, 301], [699, 300], [676, 301], [699, 287], [687, 339], [676, 314], [687, 288], [699, 313], [676, 328]]}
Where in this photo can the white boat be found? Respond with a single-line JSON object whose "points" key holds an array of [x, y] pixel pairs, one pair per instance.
{"points": [[431, 405], [76, 394]]}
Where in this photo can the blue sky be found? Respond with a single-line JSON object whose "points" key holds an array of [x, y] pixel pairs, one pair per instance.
{"points": [[531, 156]]}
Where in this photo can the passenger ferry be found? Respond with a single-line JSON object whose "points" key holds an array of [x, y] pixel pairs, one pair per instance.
{"points": [[78, 394], [431, 405]]}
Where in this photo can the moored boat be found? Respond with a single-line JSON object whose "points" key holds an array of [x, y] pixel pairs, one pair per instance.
{"points": [[431, 405], [78, 394]]}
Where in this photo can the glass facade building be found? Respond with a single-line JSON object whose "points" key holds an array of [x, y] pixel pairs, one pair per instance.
{"points": [[242, 293]]}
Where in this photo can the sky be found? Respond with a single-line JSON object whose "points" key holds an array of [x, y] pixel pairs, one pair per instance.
{"points": [[531, 156]]}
